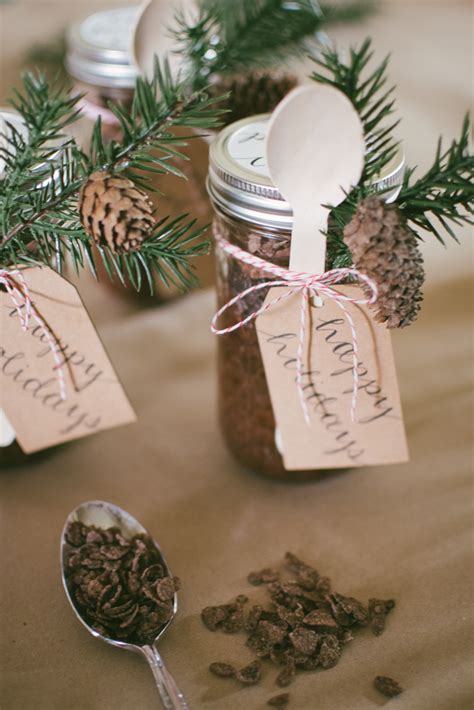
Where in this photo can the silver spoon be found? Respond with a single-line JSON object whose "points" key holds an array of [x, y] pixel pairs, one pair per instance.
{"points": [[106, 515]]}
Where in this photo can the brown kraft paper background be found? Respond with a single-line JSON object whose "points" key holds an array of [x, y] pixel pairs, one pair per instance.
{"points": [[400, 531]]}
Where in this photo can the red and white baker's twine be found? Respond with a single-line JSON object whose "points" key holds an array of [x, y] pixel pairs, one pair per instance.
{"points": [[307, 284], [17, 288]]}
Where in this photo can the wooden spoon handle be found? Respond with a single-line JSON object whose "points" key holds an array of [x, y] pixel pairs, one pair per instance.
{"points": [[309, 254]]}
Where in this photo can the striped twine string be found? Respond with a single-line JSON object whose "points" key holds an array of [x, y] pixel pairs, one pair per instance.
{"points": [[17, 288]]}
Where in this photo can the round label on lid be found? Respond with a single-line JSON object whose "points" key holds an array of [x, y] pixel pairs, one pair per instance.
{"points": [[110, 29], [247, 147]]}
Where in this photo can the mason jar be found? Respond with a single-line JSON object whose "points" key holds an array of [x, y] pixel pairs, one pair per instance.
{"points": [[11, 453], [99, 60], [251, 214]]}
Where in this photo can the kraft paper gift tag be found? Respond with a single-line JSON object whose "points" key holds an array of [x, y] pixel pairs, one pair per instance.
{"points": [[29, 386], [332, 440]]}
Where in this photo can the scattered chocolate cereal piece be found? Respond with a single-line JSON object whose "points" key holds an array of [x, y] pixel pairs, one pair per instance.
{"points": [[234, 621], [321, 620], [251, 674], [387, 686], [292, 617], [214, 616], [265, 576], [275, 632], [348, 611], [323, 586], [330, 652], [307, 663], [304, 640], [223, 670], [253, 618], [278, 656], [288, 674], [279, 701], [293, 563], [378, 610]]}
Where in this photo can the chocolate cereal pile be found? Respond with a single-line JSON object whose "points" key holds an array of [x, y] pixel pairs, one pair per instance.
{"points": [[119, 585], [304, 627]]}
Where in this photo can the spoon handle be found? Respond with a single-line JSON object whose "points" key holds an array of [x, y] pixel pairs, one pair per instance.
{"points": [[308, 245], [171, 697]]}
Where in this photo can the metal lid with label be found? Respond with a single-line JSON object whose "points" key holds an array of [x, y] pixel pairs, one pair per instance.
{"points": [[239, 182], [99, 48]]}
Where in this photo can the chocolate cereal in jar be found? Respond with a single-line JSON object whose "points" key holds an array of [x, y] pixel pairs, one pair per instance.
{"points": [[251, 214]]}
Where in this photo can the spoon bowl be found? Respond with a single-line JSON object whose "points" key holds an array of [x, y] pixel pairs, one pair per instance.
{"points": [[106, 515]]}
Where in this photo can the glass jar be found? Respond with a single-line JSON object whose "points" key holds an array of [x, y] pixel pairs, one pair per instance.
{"points": [[251, 214], [11, 453], [100, 62], [98, 59]]}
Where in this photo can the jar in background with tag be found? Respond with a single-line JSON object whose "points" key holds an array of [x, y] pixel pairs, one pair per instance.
{"points": [[11, 453], [99, 60], [251, 214]]}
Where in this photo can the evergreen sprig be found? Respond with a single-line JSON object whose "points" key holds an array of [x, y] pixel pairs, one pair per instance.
{"points": [[372, 97], [44, 172], [442, 196], [445, 193], [229, 37]]}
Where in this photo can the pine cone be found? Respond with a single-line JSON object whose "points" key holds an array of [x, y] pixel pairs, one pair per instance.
{"points": [[115, 212], [386, 251], [252, 93]]}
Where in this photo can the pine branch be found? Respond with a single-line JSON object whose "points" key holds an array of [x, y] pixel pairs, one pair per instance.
{"points": [[370, 96], [166, 253], [445, 193], [38, 206], [374, 102], [229, 37]]}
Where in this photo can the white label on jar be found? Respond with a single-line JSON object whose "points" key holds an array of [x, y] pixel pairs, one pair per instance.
{"points": [[110, 29], [247, 147], [7, 433]]}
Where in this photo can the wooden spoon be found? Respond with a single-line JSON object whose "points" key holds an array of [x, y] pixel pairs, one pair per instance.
{"points": [[315, 154]]}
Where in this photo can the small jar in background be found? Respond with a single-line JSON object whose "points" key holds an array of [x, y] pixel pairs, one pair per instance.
{"points": [[10, 452], [99, 60], [251, 214]]}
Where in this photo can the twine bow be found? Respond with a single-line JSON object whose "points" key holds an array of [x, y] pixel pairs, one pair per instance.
{"points": [[307, 284], [17, 288]]}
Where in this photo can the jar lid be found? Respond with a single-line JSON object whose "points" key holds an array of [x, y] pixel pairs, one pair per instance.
{"points": [[239, 182], [100, 48]]}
